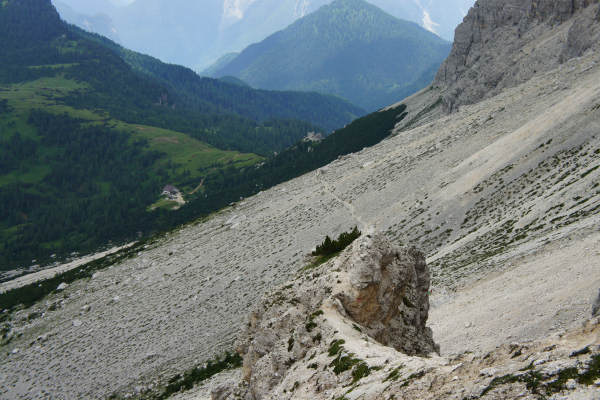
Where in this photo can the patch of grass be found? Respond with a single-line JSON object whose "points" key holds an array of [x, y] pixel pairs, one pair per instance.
{"points": [[592, 373], [187, 380], [536, 383], [559, 383], [319, 261], [187, 154], [311, 324], [360, 371], [394, 375], [164, 204], [180, 383], [416, 375], [336, 347], [343, 363], [317, 338]]}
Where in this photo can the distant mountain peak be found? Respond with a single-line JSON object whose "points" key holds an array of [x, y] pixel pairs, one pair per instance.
{"points": [[356, 50], [195, 33]]}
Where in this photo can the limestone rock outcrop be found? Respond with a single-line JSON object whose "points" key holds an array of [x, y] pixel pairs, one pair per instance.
{"points": [[354, 328], [373, 289], [388, 294], [502, 43]]}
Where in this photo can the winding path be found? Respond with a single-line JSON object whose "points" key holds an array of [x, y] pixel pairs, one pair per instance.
{"points": [[362, 224]]}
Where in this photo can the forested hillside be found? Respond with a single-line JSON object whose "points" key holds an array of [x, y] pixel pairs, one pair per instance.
{"points": [[348, 48], [90, 133], [219, 96]]}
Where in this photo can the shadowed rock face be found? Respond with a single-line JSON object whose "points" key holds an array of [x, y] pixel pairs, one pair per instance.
{"points": [[372, 287], [502, 43]]}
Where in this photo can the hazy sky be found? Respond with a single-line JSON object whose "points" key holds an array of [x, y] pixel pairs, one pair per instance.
{"points": [[195, 33]]}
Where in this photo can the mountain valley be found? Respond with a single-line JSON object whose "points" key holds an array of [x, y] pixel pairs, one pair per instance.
{"points": [[134, 125], [474, 277], [501, 195]]}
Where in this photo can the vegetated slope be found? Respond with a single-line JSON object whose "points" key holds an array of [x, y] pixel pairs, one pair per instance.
{"points": [[217, 95], [62, 195], [505, 190], [350, 49]]}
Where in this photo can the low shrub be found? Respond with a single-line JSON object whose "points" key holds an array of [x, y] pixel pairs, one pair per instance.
{"points": [[329, 246]]}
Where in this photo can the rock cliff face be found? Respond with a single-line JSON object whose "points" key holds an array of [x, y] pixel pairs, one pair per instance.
{"points": [[373, 288], [502, 43]]}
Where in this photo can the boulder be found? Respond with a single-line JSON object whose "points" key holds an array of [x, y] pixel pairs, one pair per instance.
{"points": [[373, 287], [388, 295]]}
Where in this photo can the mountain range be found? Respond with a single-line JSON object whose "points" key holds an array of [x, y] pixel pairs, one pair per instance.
{"points": [[348, 48], [196, 34], [91, 132]]}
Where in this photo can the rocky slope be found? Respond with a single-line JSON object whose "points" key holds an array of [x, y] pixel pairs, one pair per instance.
{"points": [[313, 338], [372, 288], [502, 196]]}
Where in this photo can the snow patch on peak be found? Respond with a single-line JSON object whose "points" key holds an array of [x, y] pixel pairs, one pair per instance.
{"points": [[428, 23], [301, 8], [235, 9]]}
